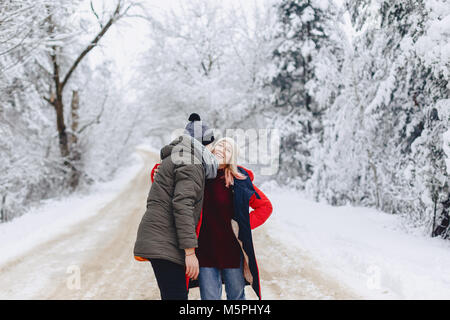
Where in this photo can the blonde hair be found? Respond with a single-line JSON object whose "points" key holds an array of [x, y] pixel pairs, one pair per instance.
{"points": [[231, 168]]}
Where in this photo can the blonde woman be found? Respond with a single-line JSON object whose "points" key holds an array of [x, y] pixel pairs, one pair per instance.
{"points": [[225, 246]]}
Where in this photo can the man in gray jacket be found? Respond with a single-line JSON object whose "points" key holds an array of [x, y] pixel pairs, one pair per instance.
{"points": [[167, 233]]}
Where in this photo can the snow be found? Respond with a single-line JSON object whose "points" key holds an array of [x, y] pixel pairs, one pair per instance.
{"points": [[433, 46], [367, 250], [55, 217], [446, 147], [322, 4], [308, 15]]}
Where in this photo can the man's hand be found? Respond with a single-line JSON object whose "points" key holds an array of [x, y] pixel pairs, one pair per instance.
{"points": [[192, 267]]}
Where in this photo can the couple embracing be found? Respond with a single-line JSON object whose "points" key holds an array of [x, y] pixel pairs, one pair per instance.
{"points": [[196, 230]]}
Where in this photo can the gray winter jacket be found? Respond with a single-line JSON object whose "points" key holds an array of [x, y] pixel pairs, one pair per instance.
{"points": [[175, 201]]}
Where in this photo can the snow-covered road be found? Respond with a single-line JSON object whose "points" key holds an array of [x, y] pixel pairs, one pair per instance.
{"points": [[98, 249], [92, 259], [82, 248]]}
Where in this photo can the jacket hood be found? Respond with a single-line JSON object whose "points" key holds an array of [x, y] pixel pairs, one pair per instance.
{"points": [[193, 146], [167, 149]]}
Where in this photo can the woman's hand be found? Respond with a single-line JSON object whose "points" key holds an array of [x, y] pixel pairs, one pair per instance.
{"points": [[192, 267], [154, 171]]}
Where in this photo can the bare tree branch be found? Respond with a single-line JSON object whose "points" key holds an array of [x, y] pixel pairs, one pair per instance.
{"points": [[48, 100], [96, 120], [96, 15], [114, 17]]}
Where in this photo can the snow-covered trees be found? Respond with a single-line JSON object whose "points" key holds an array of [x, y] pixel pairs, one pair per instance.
{"points": [[52, 99], [385, 105], [206, 57], [359, 91], [62, 69], [309, 49]]}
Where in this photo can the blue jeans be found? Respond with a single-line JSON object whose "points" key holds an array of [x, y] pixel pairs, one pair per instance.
{"points": [[210, 282]]}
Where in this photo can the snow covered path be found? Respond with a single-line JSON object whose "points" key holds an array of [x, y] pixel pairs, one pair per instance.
{"points": [[306, 250], [99, 249]]}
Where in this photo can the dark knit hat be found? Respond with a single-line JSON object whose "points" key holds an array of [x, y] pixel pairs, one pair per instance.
{"points": [[199, 130]]}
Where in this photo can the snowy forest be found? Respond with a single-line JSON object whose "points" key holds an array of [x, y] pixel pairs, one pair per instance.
{"points": [[358, 89]]}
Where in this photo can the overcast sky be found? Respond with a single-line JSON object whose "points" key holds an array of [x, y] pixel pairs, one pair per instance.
{"points": [[124, 42]]}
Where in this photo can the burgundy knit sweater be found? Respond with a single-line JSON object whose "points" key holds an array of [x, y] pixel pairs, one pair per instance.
{"points": [[217, 244]]}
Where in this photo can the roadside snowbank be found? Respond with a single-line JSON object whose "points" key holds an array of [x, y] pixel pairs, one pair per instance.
{"points": [[365, 249]]}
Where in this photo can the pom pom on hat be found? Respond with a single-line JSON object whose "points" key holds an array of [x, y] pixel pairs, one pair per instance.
{"points": [[194, 117]]}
